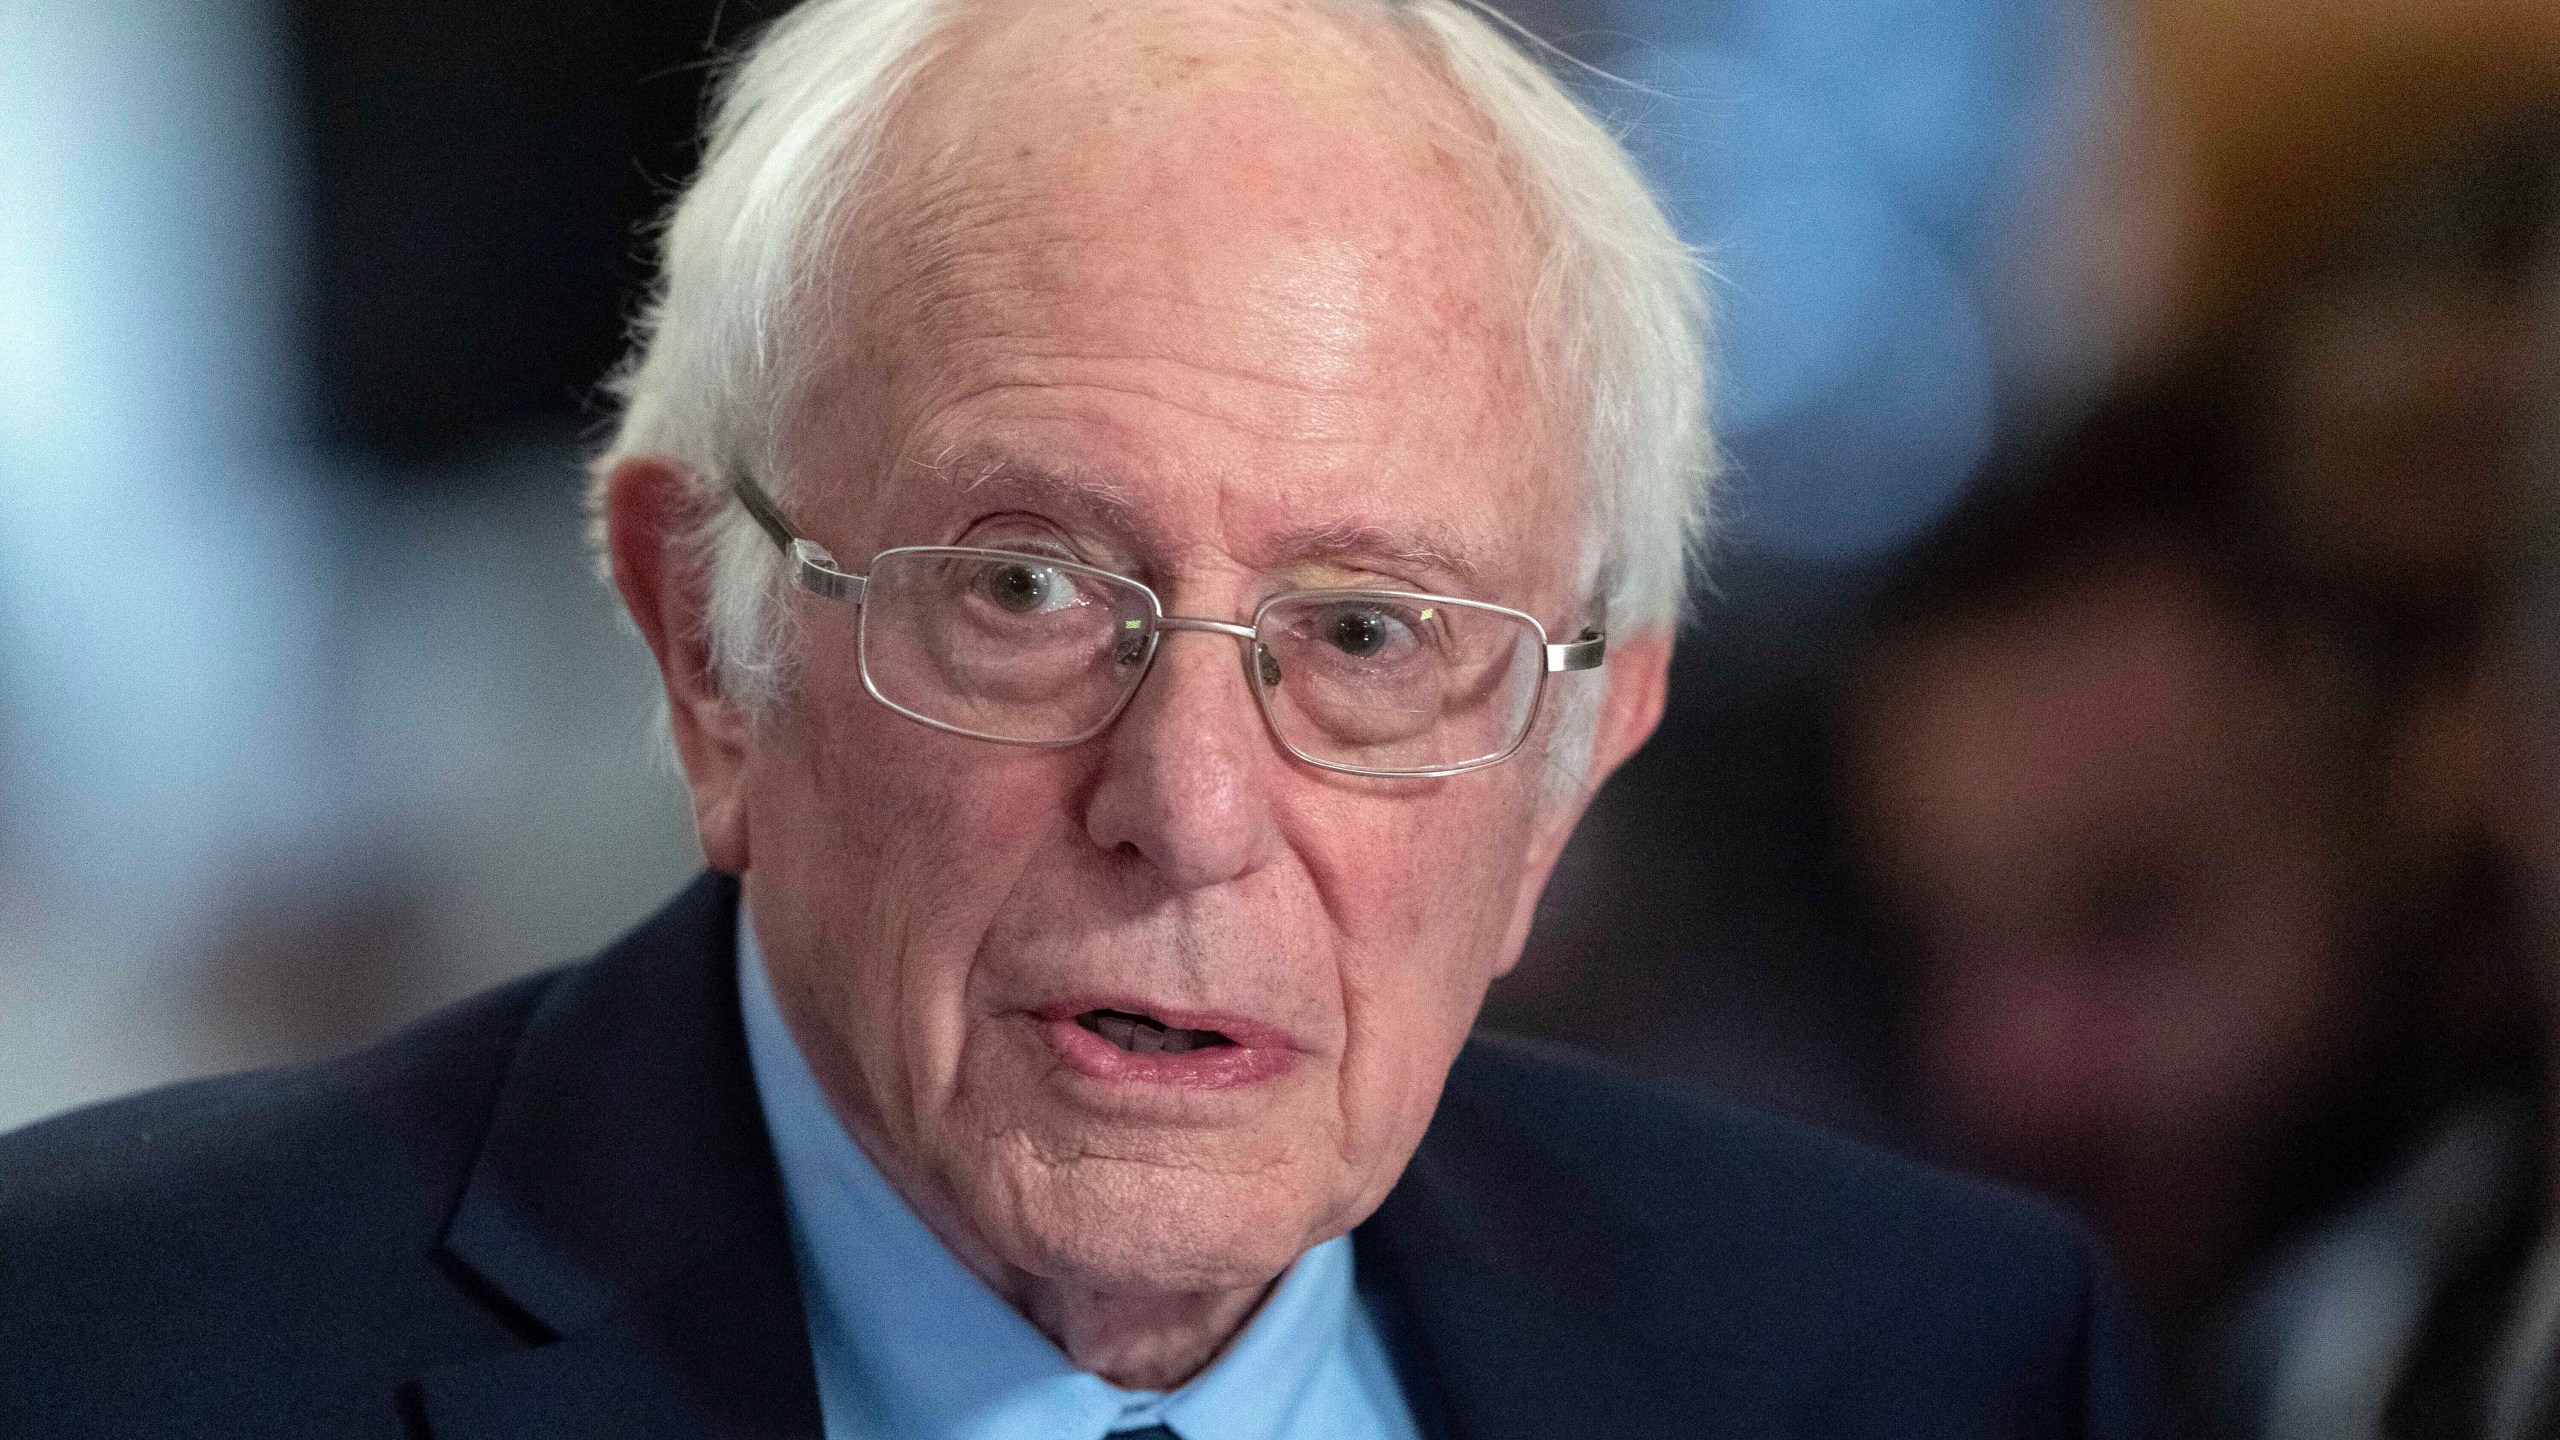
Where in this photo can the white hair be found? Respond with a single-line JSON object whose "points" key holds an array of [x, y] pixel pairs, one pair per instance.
{"points": [[794, 150]]}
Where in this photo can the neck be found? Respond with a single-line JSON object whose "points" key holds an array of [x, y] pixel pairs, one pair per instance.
{"points": [[1137, 1341]]}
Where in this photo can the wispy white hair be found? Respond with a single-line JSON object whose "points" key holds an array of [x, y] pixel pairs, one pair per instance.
{"points": [[794, 153]]}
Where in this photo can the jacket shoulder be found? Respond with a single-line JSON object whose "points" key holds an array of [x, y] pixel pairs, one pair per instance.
{"points": [[421, 1092], [274, 1254], [1869, 1293], [256, 1226], [1683, 1158]]}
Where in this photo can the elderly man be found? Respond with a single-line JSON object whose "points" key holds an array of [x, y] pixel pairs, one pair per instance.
{"points": [[1153, 517]]}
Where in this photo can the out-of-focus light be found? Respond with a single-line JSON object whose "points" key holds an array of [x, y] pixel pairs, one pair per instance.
{"points": [[1847, 171], [159, 645]]}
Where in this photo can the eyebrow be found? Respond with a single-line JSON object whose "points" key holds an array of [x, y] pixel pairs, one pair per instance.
{"points": [[1340, 541], [1099, 500], [1009, 477]]}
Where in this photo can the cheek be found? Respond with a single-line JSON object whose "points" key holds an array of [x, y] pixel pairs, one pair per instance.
{"points": [[1422, 892], [896, 854]]}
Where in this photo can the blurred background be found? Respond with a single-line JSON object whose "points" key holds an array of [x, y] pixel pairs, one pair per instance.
{"points": [[2118, 749]]}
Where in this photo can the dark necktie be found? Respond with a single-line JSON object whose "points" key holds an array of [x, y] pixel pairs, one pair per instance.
{"points": [[1152, 1432]]}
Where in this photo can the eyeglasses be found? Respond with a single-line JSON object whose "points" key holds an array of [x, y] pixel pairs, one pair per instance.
{"points": [[1027, 649]]}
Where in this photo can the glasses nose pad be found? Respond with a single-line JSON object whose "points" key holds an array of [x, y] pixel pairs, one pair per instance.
{"points": [[1265, 668]]}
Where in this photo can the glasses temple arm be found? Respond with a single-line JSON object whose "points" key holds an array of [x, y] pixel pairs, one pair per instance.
{"points": [[766, 514], [812, 568], [1583, 652]]}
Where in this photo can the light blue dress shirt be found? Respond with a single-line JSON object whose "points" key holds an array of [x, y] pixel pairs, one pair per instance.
{"points": [[909, 1344]]}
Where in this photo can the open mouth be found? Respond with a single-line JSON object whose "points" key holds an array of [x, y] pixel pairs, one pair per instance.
{"points": [[1146, 1035]]}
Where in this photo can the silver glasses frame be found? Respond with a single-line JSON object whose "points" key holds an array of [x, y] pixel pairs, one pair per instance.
{"points": [[815, 570]]}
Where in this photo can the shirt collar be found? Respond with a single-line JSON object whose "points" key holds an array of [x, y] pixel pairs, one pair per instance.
{"points": [[908, 1342]]}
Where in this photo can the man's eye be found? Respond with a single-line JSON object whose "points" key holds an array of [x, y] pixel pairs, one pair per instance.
{"points": [[1362, 631], [1027, 589], [1358, 632]]}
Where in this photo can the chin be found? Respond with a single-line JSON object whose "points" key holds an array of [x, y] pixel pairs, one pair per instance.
{"points": [[1135, 1226]]}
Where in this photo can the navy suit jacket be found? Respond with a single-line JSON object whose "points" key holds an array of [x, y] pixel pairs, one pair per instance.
{"points": [[552, 1211]]}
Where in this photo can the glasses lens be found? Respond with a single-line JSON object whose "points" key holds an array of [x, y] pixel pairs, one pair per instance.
{"points": [[1002, 646], [1381, 681]]}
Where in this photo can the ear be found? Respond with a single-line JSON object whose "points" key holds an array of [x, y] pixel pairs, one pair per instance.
{"points": [[647, 507], [1638, 676]]}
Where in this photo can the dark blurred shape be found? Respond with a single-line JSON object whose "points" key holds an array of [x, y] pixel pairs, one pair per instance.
{"points": [[2103, 780], [480, 178], [2395, 379], [1704, 925], [2116, 775], [289, 977], [2510, 1332], [2276, 121], [2170, 758]]}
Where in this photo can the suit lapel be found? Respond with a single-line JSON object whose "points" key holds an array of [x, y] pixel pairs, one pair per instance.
{"points": [[1502, 1283], [625, 1213], [626, 1217]]}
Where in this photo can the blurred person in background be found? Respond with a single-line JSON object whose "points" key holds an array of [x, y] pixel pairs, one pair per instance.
{"points": [[2496, 1354], [2119, 794], [2169, 763]]}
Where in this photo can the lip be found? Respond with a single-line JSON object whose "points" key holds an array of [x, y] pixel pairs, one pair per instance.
{"points": [[1258, 1052]]}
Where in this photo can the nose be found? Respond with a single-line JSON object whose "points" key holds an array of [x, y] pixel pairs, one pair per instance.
{"points": [[1187, 771]]}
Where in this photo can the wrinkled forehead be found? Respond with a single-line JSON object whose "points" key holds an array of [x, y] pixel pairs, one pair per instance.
{"points": [[1257, 120], [1287, 202]]}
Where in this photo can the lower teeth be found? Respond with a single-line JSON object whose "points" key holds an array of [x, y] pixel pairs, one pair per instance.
{"points": [[1146, 1037]]}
